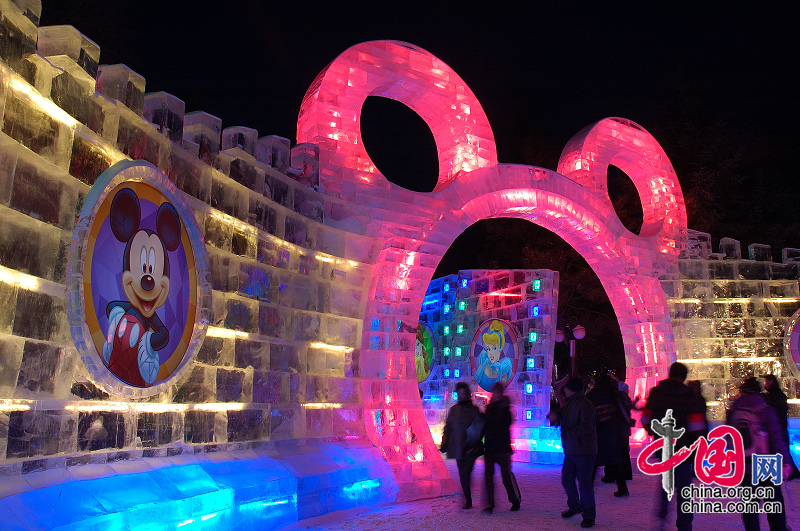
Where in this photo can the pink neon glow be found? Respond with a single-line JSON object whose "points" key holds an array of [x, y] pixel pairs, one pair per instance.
{"points": [[415, 229]]}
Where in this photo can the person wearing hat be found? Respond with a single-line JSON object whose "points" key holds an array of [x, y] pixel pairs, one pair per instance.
{"points": [[688, 410], [750, 409], [579, 440]]}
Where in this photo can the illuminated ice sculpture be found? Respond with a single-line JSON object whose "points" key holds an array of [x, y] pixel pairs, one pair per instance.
{"points": [[307, 366], [417, 228]]}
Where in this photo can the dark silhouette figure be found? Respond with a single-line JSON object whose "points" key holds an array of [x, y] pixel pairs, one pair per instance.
{"points": [[625, 470], [610, 426], [454, 439], [497, 442], [688, 412], [747, 405], [579, 440], [775, 397]]}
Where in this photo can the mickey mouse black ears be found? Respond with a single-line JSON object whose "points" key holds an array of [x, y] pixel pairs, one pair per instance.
{"points": [[168, 226], [125, 215]]}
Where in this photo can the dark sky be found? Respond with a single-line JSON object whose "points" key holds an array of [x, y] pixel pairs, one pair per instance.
{"points": [[541, 72]]}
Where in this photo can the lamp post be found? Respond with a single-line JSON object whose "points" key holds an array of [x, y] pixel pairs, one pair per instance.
{"points": [[572, 330]]}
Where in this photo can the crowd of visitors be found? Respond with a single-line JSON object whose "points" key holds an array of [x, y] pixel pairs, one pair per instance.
{"points": [[596, 427]]}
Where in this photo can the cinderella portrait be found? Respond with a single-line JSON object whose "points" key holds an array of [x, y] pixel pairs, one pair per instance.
{"points": [[492, 366]]}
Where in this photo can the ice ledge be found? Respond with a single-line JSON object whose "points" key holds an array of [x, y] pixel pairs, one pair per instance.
{"points": [[260, 488]]}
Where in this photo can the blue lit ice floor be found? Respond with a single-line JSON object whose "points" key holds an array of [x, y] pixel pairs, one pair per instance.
{"points": [[543, 500]]}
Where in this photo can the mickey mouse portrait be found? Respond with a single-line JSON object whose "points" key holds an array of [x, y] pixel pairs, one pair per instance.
{"points": [[135, 332]]}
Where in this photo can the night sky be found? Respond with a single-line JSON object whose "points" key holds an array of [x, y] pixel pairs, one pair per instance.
{"points": [[542, 73]]}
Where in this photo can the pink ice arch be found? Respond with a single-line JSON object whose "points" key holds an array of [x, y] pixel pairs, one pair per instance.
{"points": [[416, 228]]}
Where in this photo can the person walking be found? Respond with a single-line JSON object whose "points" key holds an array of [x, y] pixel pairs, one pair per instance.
{"points": [[610, 424], [454, 438], [761, 434], [688, 412], [579, 440], [625, 470], [497, 443], [776, 398]]}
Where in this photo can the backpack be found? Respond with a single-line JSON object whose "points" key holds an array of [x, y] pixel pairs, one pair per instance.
{"points": [[754, 435]]}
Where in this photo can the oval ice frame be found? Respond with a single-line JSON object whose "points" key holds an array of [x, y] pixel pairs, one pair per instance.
{"points": [[136, 171]]}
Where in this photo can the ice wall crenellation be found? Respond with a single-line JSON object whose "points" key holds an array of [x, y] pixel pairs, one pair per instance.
{"points": [[729, 315], [289, 266]]}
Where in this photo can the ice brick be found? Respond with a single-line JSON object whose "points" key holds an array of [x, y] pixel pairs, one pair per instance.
{"points": [[41, 432], [253, 354], [267, 387], [158, 429], [11, 349], [248, 425], [242, 138], [166, 112], [199, 427], [230, 386], [190, 175], [203, 129], [18, 24], [67, 41], [305, 164], [731, 248], [28, 246], [27, 124], [88, 159], [759, 252], [274, 151], [198, 387], [69, 93], [140, 141], [217, 351], [118, 82], [39, 316], [100, 430]]}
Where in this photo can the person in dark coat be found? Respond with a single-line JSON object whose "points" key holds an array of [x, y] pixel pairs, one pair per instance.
{"points": [[497, 442], [610, 424], [776, 398], [579, 440], [625, 469], [454, 438], [750, 399], [688, 412]]}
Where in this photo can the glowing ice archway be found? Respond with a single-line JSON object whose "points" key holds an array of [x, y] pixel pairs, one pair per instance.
{"points": [[417, 228]]}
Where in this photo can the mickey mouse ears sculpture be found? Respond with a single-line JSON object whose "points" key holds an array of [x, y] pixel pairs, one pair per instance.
{"points": [[417, 228]]}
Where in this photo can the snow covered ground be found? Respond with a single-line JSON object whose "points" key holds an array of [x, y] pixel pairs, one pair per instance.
{"points": [[543, 499]]}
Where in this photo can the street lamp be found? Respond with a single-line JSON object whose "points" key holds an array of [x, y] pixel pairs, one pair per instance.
{"points": [[573, 331]]}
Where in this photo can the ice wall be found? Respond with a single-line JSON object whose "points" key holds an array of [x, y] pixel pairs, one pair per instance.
{"points": [[289, 267], [730, 315]]}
